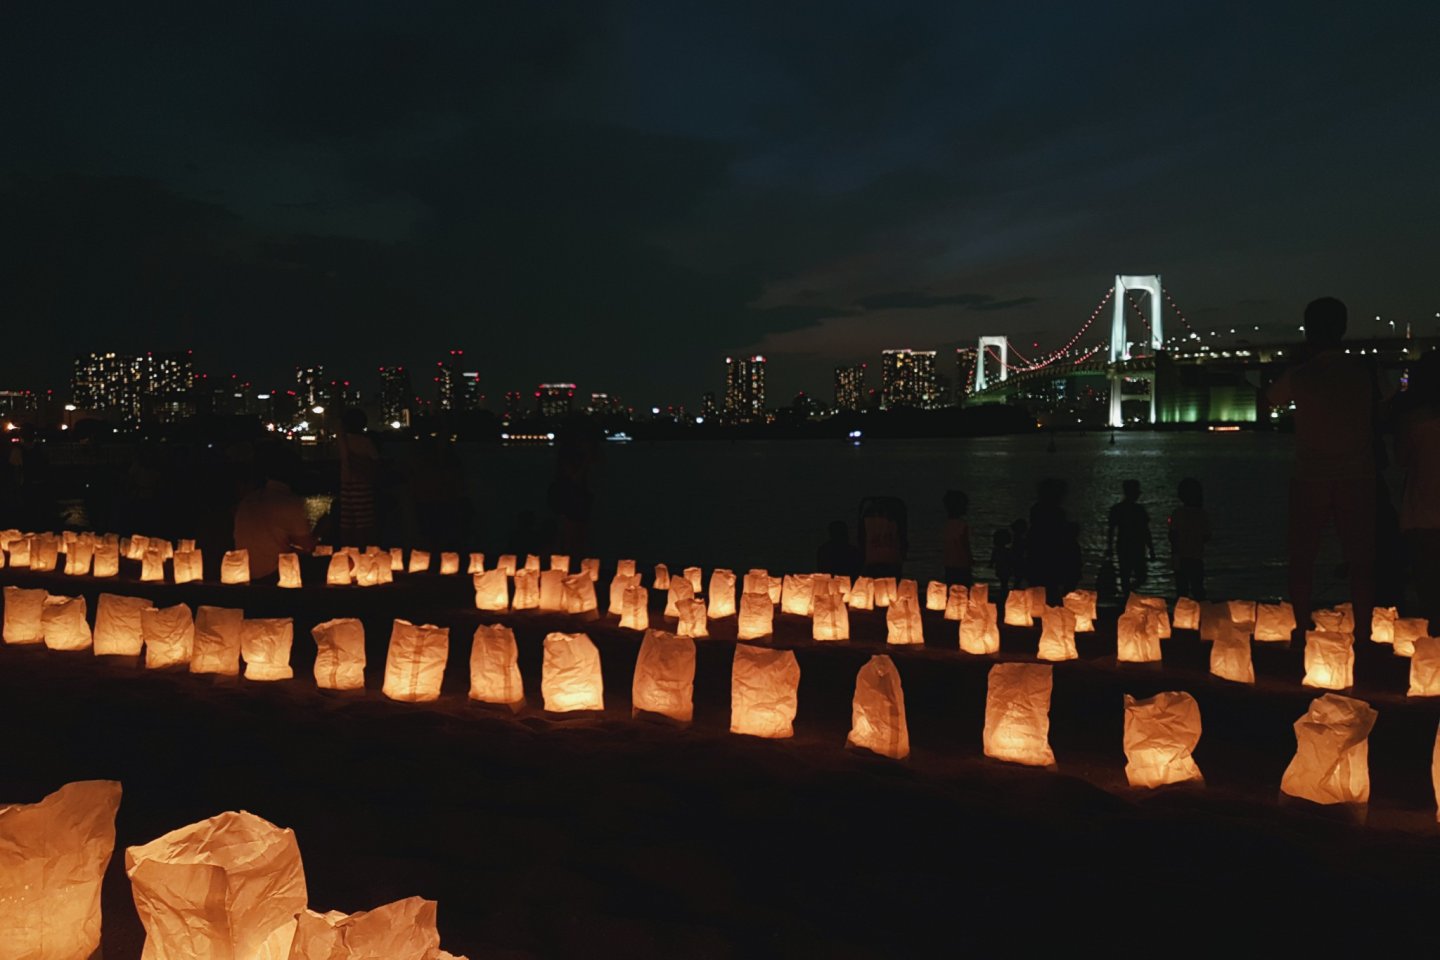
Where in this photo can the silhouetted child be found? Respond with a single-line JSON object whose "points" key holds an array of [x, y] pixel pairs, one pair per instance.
{"points": [[1002, 558], [1128, 538], [838, 556], [959, 562], [1189, 531]]}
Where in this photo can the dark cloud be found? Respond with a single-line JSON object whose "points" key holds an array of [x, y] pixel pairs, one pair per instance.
{"points": [[917, 300]]}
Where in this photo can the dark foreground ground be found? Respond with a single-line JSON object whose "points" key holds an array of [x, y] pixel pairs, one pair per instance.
{"points": [[608, 836]]}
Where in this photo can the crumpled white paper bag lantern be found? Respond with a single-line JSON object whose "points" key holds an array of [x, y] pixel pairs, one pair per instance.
{"points": [[1157, 608], [1382, 624], [1057, 634], [235, 567], [936, 594], [1017, 713], [757, 616], [415, 663], [1160, 736], [1425, 668], [339, 654], [678, 590], [403, 930], [53, 856], [77, 559], [830, 620], [722, 594], [420, 561], [625, 568], [64, 625], [189, 566], [492, 590], [265, 646], [1332, 752], [340, 572], [322, 550], [495, 666], [884, 591], [1404, 632], [169, 634], [107, 560], [618, 585], [1329, 660], [696, 576], [527, 590], [397, 560], [635, 608], [507, 563], [217, 641], [662, 578], [152, 565], [370, 570], [288, 565], [1339, 619], [577, 595], [590, 566], [20, 553], [690, 619], [118, 628], [764, 687], [225, 888], [44, 553], [979, 629], [552, 591], [902, 623], [24, 615], [665, 676], [957, 598], [1274, 622], [476, 564], [862, 594], [1187, 614], [796, 594], [877, 712], [1082, 603], [1137, 636], [1230, 653], [570, 677], [449, 563], [1017, 609]]}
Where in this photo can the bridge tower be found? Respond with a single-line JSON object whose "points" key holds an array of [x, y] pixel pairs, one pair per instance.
{"points": [[1003, 344], [1120, 343]]}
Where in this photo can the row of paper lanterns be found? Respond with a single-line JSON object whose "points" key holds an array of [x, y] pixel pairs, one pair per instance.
{"points": [[231, 886]]}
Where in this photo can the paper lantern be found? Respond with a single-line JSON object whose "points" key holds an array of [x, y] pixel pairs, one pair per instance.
{"points": [[44, 553], [24, 615], [570, 674], [690, 617], [1037, 600], [1425, 668], [189, 566], [152, 566], [495, 666], [403, 930], [776, 584], [1157, 608], [1017, 609], [625, 568], [1329, 660], [578, 595], [53, 856], [78, 558], [1212, 614], [908, 590], [936, 595], [527, 590], [590, 566], [1137, 636], [322, 550], [169, 635], [20, 553], [365, 569], [217, 641], [1382, 624], [884, 590], [841, 585], [618, 585], [227, 887], [532, 562], [1230, 653], [678, 590], [635, 607], [696, 577], [419, 561], [757, 616], [492, 590], [339, 654], [1017, 714], [107, 560], [384, 571], [1187, 614], [980, 629], [186, 543], [561, 562], [507, 564], [957, 598], [449, 563], [665, 676], [397, 560], [476, 564], [235, 567], [1337, 620], [552, 591], [1160, 736], [64, 625], [1275, 622], [1332, 752], [118, 627], [902, 623], [721, 594], [1405, 631], [796, 593], [415, 662], [877, 712], [265, 646], [764, 687], [1057, 634], [830, 620], [1082, 604], [338, 574], [862, 594]]}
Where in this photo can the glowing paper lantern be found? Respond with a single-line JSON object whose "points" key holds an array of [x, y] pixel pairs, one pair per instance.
{"points": [[1274, 622], [862, 594], [590, 566], [776, 584], [189, 566], [235, 567], [169, 636], [492, 590], [1157, 608], [1035, 597], [1230, 653], [1332, 752], [1160, 736], [796, 594], [885, 590], [107, 560], [217, 641], [1137, 637], [1187, 614], [665, 676], [561, 562], [902, 623], [618, 585], [841, 585], [265, 646], [1017, 714], [552, 591], [1057, 634], [449, 563], [936, 595], [77, 559], [403, 930], [185, 543], [322, 550], [118, 627], [764, 688], [830, 620], [1241, 611], [419, 561], [506, 563], [678, 590], [44, 553], [64, 625], [757, 616], [1382, 624], [957, 598], [1405, 631], [1337, 620], [570, 676], [690, 620], [908, 590], [53, 856], [1425, 668], [625, 568], [152, 565], [20, 553], [696, 577], [397, 560], [1211, 616], [1329, 660], [980, 629], [476, 564], [722, 594], [227, 887], [578, 595], [495, 666], [339, 654], [877, 712], [415, 663], [1082, 604], [24, 615], [527, 590], [635, 608], [338, 574], [1017, 609]]}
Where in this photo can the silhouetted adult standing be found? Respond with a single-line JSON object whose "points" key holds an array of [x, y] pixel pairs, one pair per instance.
{"points": [[1417, 449], [359, 468], [271, 520], [837, 556], [1128, 538], [1336, 398], [1052, 546]]}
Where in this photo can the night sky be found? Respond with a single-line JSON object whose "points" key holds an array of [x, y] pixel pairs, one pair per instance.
{"points": [[620, 194]]}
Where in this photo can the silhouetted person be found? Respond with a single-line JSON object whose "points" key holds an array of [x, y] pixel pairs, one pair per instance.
{"points": [[570, 497], [955, 540], [1128, 538], [837, 556], [1002, 557], [1052, 547], [1336, 399], [271, 520], [1189, 532], [359, 468], [1417, 450], [884, 529], [29, 481]]}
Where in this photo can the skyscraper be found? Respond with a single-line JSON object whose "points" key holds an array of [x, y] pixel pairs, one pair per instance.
{"points": [[447, 382], [397, 397], [310, 386], [965, 372], [554, 400], [907, 379], [745, 389], [514, 400], [470, 396], [850, 387], [111, 381], [169, 385]]}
